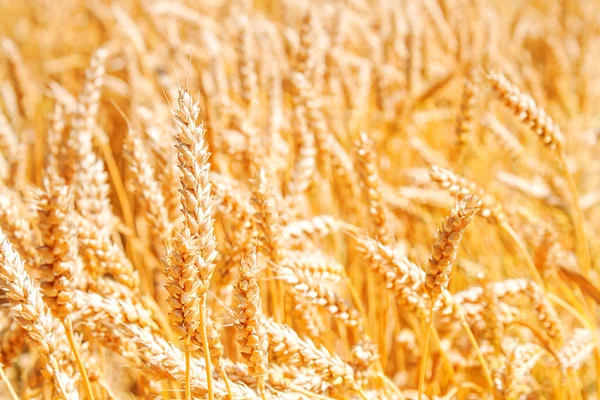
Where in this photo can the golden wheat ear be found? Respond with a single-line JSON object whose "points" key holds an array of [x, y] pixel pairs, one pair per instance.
{"points": [[26, 301], [60, 263], [251, 332], [542, 124]]}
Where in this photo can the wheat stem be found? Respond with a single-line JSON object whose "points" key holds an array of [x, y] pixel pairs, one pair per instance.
{"points": [[484, 366], [388, 382], [581, 244], [307, 393], [356, 298], [120, 190], [206, 347], [443, 353], [74, 348], [9, 386], [423, 366], [228, 384], [188, 368], [362, 394], [524, 253]]}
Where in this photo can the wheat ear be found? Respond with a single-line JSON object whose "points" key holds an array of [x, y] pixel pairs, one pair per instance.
{"points": [[161, 359], [268, 224], [32, 315], [443, 254], [60, 264], [251, 333], [526, 109], [445, 248], [197, 246], [491, 209], [148, 190]]}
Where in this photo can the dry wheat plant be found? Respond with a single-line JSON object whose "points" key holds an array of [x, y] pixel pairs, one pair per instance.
{"points": [[294, 199]]}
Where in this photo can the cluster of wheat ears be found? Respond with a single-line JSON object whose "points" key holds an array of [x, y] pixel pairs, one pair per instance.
{"points": [[386, 199]]}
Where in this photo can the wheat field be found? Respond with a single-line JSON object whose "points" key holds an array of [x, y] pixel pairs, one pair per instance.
{"points": [[287, 199]]}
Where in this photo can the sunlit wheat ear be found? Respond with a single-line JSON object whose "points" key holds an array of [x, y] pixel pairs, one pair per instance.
{"points": [[506, 138], [520, 362], [79, 142], [195, 250], [577, 349], [59, 253], [491, 209], [318, 294], [542, 124], [494, 328], [267, 218], [285, 344], [245, 47], [142, 179], [26, 301], [345, 182], [56, 137], [317, 265], [19, 226], [525, 108], [305, 160], [545, 313], [401, 278], [182, 285], [60, 263], [10, 146], [466, 121], [443, 254], [371, 188], [445, 248], [21, 77], [460, 187], [251, 333], [161, 359]]}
